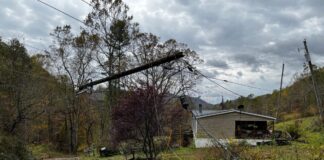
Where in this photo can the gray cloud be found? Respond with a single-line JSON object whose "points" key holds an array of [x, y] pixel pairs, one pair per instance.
{"points": [[252, 37], [253, 61], [217, 63], [32, 21], [239, 73]]}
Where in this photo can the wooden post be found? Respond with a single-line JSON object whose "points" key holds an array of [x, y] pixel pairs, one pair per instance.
{"points": [[180, 136], [170, 136]]}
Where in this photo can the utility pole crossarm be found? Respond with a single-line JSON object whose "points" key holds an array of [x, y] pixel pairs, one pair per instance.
{"points": [[177, 55]]}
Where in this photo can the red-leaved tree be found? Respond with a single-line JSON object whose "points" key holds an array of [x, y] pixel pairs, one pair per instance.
{"points": [[136, 118]]}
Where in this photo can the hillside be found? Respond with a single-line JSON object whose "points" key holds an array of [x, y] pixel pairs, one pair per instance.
{"points": [[297, 100], [99, 96], [197, 100]]}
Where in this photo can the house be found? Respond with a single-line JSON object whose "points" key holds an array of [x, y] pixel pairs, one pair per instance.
{"points": [[227, 125]]}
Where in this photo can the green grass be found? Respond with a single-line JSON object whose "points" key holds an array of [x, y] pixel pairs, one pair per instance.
{"points": [[290, 152], [44, 151], [306, 123], [309, 146], [118, 157], [179, 153], [295, 151], [308, 127]]}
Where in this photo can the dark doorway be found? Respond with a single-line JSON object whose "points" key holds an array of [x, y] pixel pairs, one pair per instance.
{"points": [[251, 129]]}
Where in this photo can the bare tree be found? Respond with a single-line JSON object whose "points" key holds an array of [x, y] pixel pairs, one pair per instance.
{"points": [[109, 21], [173, 78], [156, 86], [72, 56]]}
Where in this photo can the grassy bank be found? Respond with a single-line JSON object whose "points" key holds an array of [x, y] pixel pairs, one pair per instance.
{"points": [[308, 145]]}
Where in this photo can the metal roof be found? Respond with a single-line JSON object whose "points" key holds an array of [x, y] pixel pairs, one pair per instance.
{"points": [[209, 113]]}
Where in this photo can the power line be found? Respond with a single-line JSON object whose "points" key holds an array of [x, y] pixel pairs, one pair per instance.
{"points": [[69, 15], [221, 85], [197, 71], [86, 2], [192, 69], [216, 143], [241, 84]]}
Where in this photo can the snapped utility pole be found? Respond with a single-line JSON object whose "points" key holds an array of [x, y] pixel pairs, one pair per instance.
{"points": [[134, 70], [317, 95]]}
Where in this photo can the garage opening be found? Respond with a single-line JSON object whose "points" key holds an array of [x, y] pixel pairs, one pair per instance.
{"points": [[251, 129]]}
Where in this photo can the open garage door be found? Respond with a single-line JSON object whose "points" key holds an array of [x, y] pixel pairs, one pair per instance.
{"points": [[251, 129]]}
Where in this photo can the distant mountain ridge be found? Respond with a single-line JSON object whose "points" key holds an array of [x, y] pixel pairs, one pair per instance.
{"points": [[193, 101]]}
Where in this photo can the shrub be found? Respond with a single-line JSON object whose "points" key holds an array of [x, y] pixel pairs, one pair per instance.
{"points": [[294, 129], [161, 143], [128, 147], [13, 148]]}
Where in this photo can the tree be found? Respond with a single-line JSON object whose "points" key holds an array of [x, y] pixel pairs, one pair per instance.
{"points": [[156, 87], [20, 100], [135, 118], [172, 78], [71, 57], [109, 21]]}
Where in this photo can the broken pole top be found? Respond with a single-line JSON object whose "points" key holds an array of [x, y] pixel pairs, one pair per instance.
{"points": [[134, 70]]}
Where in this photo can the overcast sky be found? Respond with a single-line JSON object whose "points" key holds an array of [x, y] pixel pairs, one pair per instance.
{"points": [[240, 41]]}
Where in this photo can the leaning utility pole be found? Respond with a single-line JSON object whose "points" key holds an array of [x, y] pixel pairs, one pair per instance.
{"points": [[279, 97], [134, 70], [318, 98]]}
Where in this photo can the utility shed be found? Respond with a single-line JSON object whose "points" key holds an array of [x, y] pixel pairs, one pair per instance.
{"points": [[224, 125]]}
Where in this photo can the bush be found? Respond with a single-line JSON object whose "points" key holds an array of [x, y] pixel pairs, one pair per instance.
{"points": [[129, 147], [294, 129], [13, 148], [161, 143], [316, 125]]}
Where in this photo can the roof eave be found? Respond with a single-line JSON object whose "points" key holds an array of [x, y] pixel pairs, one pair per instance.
{"points": [[237, 111]]}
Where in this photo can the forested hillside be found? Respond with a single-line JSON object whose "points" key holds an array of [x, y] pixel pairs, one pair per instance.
{"points": [[297, 100], [33, 102]]}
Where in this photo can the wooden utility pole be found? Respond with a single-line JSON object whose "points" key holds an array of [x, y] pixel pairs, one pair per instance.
{"points": [[180, 136], [134, 70], [318, 98], [222, 104], [279, 97]]}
